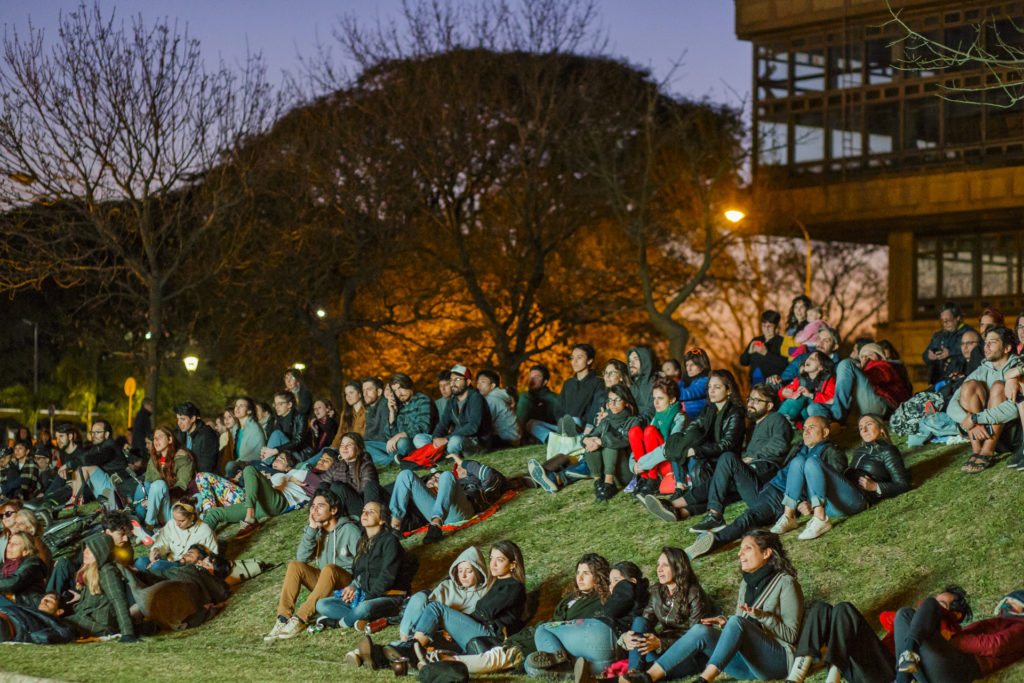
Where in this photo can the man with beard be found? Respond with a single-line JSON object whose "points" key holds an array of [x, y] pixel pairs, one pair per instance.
{"points": [[197, 436], [765, 454], [642, 370], [981, 406], [465, 425]]}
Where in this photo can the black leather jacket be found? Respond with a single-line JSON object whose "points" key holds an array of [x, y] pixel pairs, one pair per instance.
{"points": [[676, 614], [710, 434], [293, 426], [884, 464]]}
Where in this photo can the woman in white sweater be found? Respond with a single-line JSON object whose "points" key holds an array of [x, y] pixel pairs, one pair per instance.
{"points": [[174, 538]]}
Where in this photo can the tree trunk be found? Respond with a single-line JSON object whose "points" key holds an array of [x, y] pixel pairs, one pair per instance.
{"points": [[156, 330], [674, 331], [328, 341]]}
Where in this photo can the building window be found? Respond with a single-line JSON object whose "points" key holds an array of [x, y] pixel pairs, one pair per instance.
{"points": [[975, 271]]}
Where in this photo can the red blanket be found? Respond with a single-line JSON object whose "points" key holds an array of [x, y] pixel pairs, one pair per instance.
{"points": [[476, 519]]}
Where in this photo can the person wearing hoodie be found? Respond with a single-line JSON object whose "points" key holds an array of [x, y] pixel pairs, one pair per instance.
{"points": [[465, 585], [329, 538], [102, 607], [607, 446], [642, 370], [381, 575], [503, 409]]}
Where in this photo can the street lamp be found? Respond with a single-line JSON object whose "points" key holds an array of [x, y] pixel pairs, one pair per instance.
{"points": [[735, 216], [191, 363], [320, 313], [299, 366]]}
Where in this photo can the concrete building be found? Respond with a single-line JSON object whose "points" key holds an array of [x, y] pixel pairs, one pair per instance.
{"points": [[859, 149]]}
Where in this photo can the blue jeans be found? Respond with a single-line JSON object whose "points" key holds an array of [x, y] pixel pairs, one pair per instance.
{"points": [[158, 504], [142, 564], [99, 481], [542, 430], [276, 439], [461, 627], [851, 384], [413, 610], [336, 608], [588, 638], [450, 506], [827, 487], [690, 667], [454, 442], [744, 649], [378, 451]]}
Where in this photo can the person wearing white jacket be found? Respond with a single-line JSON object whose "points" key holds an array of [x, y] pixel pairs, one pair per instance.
{"points": [[177, 536]]}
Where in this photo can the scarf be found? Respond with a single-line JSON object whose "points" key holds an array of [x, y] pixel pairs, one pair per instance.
{"points": [[663, 420], [11, 566], [757, 581]]}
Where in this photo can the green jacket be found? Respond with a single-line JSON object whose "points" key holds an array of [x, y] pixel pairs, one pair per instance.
{"points": [[184, 470], [106, 612]]}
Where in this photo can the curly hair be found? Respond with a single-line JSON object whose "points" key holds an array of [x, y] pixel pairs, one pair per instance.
{"points": [[600, 568]]}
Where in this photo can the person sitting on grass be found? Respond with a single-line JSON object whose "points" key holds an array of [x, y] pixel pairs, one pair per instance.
{"points": [[758, 641], [734, 474], [507, 432], [353, 477], [815, 384], [19, 474], [114, 523], [647, 443], [409, 413], [182, 531], [573, 626], [763, 354], [643, 368], [497, 615], [465, 423], [445, 498], [876, 472], [931, 648], [981, 405], [677, 604], [23, 577], [248, 437], [380, 577], [331, 539], [693, 385], [100, 601], [720, 427], [605, 447], [769, 503], [168, 474], [538, 408]]}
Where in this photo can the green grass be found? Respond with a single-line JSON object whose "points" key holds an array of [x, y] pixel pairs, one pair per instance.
{"points": [[950, 527]]}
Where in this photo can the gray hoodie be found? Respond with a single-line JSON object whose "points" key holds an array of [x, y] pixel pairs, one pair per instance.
{"points": [[336, 547], [503, 415], [450, 593]]}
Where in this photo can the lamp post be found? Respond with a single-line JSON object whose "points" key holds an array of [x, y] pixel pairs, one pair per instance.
{"points": [[191, 365], [299, 366], [735, 216]]}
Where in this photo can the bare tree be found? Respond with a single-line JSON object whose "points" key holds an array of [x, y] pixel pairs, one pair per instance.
{"points": [[994, 47], [121, 165]]}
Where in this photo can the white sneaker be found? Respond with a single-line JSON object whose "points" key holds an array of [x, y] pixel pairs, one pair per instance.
{"points": [[276, 631], [816, 527], [798, 672], [785, 523], [293, 628], [833, 675]]}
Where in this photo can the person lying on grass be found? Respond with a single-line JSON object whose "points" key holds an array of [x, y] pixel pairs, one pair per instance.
{"points": [[174, 539], [758, 641], [876, 472]]}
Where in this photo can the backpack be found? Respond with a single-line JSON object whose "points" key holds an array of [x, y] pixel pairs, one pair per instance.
{"points": [[904, 421]]}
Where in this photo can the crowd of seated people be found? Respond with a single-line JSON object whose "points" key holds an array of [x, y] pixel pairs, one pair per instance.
{"points": [[680, 437]]}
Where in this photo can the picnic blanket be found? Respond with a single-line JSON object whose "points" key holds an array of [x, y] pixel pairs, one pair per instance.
{"points": [[475, 519]]}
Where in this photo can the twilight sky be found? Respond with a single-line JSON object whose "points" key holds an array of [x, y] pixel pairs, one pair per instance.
{"points": [[653, 33]]}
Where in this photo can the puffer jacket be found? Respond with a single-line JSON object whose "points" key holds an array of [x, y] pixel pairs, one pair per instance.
{"points": [[884, 464], [342, 472]]}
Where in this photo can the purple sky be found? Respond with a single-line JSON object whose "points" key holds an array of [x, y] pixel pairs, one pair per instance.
{"points": [[652, 33]]}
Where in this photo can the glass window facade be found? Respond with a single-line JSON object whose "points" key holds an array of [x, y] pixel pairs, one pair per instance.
{"points": [[976, 271], [834, 103]]}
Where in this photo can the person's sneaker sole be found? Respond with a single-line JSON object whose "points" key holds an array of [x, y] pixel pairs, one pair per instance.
{"points": [[539, 475], [658, 509], [365, 648], [701, 546], [699, 528], [353, 659]]}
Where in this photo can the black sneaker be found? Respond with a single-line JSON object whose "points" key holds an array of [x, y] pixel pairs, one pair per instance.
{"points": [[433, 535], [660, 509], [711, 522], [1016, 461]]}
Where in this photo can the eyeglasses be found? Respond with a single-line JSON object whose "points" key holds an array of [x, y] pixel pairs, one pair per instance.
{"points": [[614, 399], [610, 373], [10, 513], [755, 399]]}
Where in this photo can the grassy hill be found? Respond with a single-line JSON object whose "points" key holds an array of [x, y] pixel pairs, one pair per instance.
{"points": [[951, 527]]}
